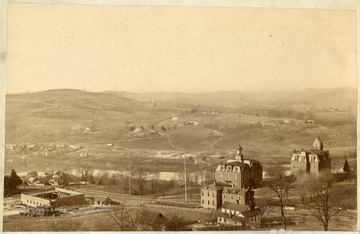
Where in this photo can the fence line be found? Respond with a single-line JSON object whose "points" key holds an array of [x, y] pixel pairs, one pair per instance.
{"points": [[181, 208]]}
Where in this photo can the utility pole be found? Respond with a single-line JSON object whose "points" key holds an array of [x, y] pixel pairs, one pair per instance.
{"points": [[129, 179], [185, 178]]}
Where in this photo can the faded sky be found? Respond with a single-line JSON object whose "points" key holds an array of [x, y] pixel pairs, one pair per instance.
{"points": [[182, 49]]}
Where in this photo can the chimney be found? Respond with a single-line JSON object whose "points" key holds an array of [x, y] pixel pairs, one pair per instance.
{"points": [[252, 204]]}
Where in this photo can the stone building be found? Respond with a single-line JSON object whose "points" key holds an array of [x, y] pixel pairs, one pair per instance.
{"points": [[311, 161]]}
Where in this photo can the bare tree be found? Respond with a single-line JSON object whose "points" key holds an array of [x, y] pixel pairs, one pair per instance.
{"points": [[154, 182], [141, 175], [126, 219], [302, 187], [281, 185], [175, 223], [86, 171], [321, 188]]}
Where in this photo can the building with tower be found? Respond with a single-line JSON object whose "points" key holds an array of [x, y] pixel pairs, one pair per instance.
{"points": [[232, 192], [240, 172], [234, 181], [312, 161]]}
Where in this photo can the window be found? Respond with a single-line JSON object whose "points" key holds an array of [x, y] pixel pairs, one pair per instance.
{"points": [[228, 176], [232, 197], [208, 193], [221, 175], [202, 193], [208, 202], [224, 195], [213, 194], [202, 201], [213, 202]]}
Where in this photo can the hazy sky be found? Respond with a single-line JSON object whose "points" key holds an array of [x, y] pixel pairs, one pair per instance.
{"points": [[182, 49]]}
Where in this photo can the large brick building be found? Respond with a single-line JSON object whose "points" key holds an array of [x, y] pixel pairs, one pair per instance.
{"points": [[311, 161], [233, 183], [240, 172]]}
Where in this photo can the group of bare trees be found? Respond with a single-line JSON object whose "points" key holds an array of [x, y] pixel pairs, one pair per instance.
{"points": [[125, 219], [316, 193]]}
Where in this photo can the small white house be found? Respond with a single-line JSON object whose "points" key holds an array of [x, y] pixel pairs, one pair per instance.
{"points": [[175, 118], [87, 130], [137, 130]]}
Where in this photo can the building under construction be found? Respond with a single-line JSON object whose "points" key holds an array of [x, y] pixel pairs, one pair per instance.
{"points": [[56, 197]]}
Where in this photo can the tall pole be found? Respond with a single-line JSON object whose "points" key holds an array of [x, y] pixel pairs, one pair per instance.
{"points": [[185, 178], [129, 179]]}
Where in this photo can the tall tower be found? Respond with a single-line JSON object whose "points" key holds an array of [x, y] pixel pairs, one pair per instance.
{"points": [[240, 155], [318, 143]]}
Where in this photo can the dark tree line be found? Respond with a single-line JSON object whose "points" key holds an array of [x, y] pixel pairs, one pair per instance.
{"points": [[11, 182]]}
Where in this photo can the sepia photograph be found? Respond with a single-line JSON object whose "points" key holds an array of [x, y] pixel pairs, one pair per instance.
{"points": [[179, 117]]}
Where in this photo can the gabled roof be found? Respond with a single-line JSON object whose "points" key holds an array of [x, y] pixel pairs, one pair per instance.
{"points": [[236, 207], [152, 216], [251, 213]]}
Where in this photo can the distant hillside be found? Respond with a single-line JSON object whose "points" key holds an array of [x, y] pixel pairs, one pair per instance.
{"points": [[62, 115], [318, 98]]}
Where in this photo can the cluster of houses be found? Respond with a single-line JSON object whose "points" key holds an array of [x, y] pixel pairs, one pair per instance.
{"points": [[54, 149], [44, 150], [47, 178], [27, 147]]}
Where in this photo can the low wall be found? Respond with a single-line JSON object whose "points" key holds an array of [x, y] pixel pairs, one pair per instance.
{"points": [[34, 201]]}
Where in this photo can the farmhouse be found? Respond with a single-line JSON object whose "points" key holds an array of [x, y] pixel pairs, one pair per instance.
{"points": [[55, 198], [311, 161]]}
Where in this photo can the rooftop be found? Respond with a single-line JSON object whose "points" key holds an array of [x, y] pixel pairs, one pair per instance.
{"points": [[236, 207]]}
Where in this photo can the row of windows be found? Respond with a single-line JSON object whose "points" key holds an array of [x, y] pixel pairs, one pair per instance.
{"points": [[202, 193], [208, 202], [35, 203], [232, 197], [254, 218], [228, 176]]}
